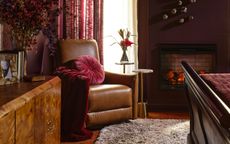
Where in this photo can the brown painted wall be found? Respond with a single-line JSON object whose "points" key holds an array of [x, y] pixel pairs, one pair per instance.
{"points": [[210, 25]]}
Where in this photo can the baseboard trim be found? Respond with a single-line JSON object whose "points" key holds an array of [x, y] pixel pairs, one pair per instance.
{"points": [[166, 108]]}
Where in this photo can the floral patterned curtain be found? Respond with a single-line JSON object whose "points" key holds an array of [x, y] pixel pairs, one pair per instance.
{"points": [[83, 19]]}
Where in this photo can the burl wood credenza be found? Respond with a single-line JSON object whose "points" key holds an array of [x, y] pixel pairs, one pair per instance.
{"points": [[30, 112]]}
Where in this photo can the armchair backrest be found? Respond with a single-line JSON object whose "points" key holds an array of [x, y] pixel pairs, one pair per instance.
{"points": [[71, 48]]}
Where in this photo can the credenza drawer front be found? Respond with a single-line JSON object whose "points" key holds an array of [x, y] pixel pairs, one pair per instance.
{"points": [[33, 115], [7, 128], [25, 124]]}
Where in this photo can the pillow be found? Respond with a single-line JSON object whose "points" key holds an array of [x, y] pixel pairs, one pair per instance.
{"points": [[89, 67]]}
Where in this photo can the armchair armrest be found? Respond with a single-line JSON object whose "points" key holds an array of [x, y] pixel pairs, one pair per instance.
{"points": [[130, 80], [115, 78]]}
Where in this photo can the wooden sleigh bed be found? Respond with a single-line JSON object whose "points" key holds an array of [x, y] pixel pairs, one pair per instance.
{"points": [[209, 105]]}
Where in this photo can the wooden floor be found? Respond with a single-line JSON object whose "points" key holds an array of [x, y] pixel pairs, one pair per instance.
{"points": [[151, 115], [167, 115]]}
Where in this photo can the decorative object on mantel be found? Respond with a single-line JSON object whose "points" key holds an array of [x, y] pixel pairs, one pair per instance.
{"points": [[10, 69], [33, 78], [124, 43], [27, 18]]}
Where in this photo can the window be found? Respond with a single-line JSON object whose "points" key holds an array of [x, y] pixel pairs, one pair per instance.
{"points": [[119, 14]]}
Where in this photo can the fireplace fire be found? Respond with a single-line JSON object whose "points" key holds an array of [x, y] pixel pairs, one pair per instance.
{"points": [[200, 56], [174, 77]]}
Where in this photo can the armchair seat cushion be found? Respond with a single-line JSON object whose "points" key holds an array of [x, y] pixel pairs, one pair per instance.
{"points": [[109, 96]]}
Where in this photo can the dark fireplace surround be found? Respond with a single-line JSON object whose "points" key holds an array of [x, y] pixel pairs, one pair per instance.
{"points": [[200, 56], [169, 94]]}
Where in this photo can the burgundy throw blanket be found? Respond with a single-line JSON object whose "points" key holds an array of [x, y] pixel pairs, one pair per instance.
{"points": [[74, 104], [76, 76]]}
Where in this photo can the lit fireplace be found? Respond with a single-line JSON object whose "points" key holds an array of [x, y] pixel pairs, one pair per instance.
{"points": [[177, 77], [200, 56], [174, 77]]}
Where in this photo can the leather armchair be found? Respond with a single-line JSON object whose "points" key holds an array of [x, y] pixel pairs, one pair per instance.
{"points": [[114, 100]]}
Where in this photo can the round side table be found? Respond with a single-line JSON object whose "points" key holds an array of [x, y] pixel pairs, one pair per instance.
{"points": [[142, 105], [124, 64]]}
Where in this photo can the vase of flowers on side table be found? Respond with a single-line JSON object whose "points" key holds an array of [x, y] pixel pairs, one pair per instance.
{"points": [[124, 43]]}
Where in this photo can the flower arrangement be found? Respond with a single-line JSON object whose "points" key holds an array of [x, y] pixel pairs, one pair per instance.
{"points": [[124, 42], [27, 17]]}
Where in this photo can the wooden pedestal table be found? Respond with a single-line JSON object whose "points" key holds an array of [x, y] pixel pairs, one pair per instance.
{"points": [[142, 105]]}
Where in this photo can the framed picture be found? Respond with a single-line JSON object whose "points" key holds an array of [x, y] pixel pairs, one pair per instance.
{"points": [[10, 66]]}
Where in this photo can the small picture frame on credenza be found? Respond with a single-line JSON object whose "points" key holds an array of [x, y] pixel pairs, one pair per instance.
{"points": [[10, 66]]}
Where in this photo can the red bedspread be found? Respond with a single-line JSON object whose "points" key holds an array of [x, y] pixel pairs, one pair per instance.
{"points": [[220, 83]]}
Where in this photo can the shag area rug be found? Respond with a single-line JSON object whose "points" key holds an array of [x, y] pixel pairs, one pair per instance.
{"points": [[146, 131]]}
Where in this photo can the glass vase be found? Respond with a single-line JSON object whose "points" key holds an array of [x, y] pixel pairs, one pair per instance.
{"points": [[21, 64], [19, 45], [124, 57]]}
